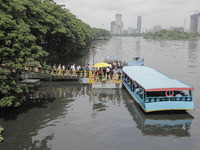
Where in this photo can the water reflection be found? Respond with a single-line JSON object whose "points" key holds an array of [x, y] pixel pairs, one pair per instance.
{"points": [[138, 46], [63, 89], [193, 46], [57, 90], [163, 124], [100, 97], [155, 124], [22, 125]]}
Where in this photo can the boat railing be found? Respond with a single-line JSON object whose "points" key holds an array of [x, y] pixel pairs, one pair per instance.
{"points": [[164, 98]]}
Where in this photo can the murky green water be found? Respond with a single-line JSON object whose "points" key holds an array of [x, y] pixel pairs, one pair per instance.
{"points": [[73, 117]]}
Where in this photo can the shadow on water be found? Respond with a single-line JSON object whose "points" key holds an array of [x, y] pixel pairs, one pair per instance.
{"points": [[31, 100], [41, 107], [17, 135], [100, 97], [192, 53], [166, 123]]}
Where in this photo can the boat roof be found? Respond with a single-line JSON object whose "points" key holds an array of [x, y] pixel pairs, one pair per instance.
{"points": [[152, 80], [136, 63]]}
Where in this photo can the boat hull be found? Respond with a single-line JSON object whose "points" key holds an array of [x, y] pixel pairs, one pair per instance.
{"points": [[160, 106]]}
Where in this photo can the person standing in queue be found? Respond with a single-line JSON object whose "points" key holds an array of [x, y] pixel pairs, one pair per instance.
{"points": [[87, 70], [100, 74], [54, 69], [108, 72], [111, 74], [104, 71], [119, 71], [63, 70]]}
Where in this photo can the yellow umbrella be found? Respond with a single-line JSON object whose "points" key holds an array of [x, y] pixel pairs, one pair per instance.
{"points": [[102, 64]]}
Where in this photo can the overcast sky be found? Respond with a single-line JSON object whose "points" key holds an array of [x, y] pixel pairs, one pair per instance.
{"points": [[100, 13]]}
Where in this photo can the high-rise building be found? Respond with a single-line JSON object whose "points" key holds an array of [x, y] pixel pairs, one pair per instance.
{"points": [[177, 29], [139, 24], [157, 28], [112, 26], [117, 26], [195, 23]]}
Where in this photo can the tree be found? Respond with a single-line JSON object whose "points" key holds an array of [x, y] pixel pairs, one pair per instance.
{"points": [[1, 138], [17, 46], [29, 31], [171, 35]]}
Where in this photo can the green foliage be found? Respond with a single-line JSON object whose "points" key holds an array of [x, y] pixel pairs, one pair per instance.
{"points": [[101, 33], [171, 35], [29, 32], [17, 45], [10, 89], [1, 138]]}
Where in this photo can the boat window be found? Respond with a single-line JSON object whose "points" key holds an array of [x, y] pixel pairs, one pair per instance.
{"points": [[155, 94], [163, 94], [181, 93]]}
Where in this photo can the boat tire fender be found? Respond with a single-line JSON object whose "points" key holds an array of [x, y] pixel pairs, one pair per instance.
{"points": [[169, 95]]}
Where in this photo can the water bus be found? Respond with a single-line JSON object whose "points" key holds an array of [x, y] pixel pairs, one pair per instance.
{"points": [[154, 91], [137, 61]]}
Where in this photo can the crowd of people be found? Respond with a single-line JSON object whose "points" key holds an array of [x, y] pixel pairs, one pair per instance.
{"points": [[70, 69], [114, 71], [73, 69], [108, 72]]}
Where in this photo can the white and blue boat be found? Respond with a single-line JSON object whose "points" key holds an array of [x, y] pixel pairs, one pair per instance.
{"points": [[154, 91], [137, 61]]}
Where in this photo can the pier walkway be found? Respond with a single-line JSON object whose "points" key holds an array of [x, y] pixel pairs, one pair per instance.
{"points": [[59, 74], [95, 79]]}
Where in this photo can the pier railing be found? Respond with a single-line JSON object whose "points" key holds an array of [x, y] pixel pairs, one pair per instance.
{"points": [[99, 78], [164, 98], [56, 72], [94, 77]]}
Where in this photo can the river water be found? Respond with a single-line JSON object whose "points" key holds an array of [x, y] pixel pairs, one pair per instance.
{"points": [[74, 117]]}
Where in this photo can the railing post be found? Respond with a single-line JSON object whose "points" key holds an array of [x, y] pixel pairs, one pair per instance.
{"points": [[90, 78]]}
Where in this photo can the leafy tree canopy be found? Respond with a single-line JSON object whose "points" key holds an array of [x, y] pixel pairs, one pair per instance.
{"points": [[29, 32], [171, 35], [1, 138]]}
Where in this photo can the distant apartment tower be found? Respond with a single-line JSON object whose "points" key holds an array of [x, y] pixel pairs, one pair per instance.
{"points": [[177, 29], [157, 28], [130, 30], [117, 26], [112, 26], [139, 24], [195, 23]]}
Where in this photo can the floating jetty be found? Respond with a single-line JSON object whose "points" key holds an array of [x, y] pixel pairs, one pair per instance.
{"points": [[31, 82], [103, 85], [47, 76], [97, 82]]}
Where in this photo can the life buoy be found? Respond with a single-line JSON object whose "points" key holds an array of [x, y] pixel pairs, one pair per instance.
{"points": [[172, 93]]}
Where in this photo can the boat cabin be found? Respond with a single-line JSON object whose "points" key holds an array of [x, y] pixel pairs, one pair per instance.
{"points": [[155, 91]]}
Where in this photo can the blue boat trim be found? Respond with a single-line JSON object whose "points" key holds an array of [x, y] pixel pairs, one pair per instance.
{"points": [[159, 94]]}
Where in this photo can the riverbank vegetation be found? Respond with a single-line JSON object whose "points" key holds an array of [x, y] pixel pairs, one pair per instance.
{"points": [[1, 138], [171, 35], [30, 31]]}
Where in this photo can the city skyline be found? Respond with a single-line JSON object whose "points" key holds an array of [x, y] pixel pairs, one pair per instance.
{"points": [[195, 23], [117, 25], [100, 13]]}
